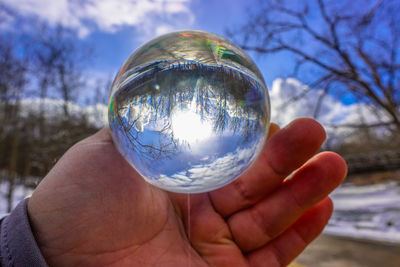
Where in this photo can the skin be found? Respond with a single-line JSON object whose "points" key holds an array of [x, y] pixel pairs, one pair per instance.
{"points": [[93, 209]]}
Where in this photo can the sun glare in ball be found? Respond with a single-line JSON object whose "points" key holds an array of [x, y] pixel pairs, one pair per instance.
{"points": [[188, 126]]}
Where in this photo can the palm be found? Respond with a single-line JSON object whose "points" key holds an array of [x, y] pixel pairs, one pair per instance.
{"points": [[101, 212]]}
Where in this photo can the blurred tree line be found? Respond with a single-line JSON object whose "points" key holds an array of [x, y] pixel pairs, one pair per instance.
{"points": [[33, 135]]}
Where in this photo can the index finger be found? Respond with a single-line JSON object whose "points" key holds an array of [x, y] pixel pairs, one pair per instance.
{"points": [[287, 150]]}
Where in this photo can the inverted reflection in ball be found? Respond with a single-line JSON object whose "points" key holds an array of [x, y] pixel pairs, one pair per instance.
{"points": [[189, 111]]}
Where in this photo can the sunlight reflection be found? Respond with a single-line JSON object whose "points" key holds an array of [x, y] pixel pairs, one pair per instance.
{"points": [[189, 127]]}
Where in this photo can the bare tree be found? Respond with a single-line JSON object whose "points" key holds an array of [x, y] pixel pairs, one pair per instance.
{"points": [[57, 63], [343, 47], [12, 81]]}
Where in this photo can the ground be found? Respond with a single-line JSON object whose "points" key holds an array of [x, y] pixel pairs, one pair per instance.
{"points": [[329, 251]]}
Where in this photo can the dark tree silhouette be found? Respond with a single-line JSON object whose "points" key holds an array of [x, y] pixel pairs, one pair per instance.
{"points": [[343, 47]]}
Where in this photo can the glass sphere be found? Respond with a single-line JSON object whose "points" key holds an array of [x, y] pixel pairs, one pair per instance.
{"points": [[189, 111]]}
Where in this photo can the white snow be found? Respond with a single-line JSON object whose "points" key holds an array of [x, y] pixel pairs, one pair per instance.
{"points": [[369, 212], [20, 192]]}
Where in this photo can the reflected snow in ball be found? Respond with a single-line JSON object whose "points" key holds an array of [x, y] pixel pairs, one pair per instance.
{"points": [[189, 111]]}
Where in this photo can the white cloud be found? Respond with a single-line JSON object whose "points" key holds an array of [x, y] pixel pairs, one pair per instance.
{"points": [[149, 17], [289, 100], [287, 106], [163, 28], [5, 19]]}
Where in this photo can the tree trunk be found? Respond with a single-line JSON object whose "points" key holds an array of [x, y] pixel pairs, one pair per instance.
{"points": [[12, 169]]}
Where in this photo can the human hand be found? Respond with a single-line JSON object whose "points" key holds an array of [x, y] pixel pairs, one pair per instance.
{"points": [[94, 209]]}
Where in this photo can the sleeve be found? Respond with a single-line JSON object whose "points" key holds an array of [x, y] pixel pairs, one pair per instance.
{"points": [[18, 246]]}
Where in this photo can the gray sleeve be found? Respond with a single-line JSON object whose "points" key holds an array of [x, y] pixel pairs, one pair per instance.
{"points": [[17, 244]]}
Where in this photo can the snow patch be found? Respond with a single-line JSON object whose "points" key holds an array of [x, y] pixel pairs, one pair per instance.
{"points": [[369, 212]]}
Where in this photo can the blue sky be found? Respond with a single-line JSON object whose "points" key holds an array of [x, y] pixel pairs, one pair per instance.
{"points": [[116, 28]]}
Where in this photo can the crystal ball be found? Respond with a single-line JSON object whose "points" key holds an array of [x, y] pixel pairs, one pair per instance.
{"points": [[189, 111]]}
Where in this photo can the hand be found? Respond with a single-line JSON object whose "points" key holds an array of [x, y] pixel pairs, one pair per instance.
{"points": [[93, 209]]}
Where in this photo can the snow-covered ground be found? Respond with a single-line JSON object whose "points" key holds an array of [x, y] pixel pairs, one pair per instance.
{"points": [[367, 212], [20, 192], [363, 212]]}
